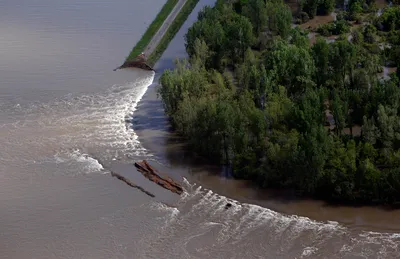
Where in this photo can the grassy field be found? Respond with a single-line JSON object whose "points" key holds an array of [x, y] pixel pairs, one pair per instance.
{"points": [[153, 28], [172, 30]]}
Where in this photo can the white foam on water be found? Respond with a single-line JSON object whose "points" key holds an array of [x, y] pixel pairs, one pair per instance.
{"points": [[242, 219], [78, 159], [373, 245], [377, 245], [91, 164], [242, 230], [95, 124], [188, 187], [86, 128], [164, 207], [172, 212], [115, 109], [259, 215], [308, 251], [104, 121]]}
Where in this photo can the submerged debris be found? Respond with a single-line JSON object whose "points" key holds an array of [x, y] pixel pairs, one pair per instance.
{"points": [[153, 175], [128, 182]]}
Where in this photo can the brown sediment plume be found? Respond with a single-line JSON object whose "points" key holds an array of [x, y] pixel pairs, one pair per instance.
{"points": [[128, 182], [153, 175], [139, 62]]}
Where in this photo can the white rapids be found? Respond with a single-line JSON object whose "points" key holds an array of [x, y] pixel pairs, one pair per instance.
{"points": [[201, 227], [78, 129]]}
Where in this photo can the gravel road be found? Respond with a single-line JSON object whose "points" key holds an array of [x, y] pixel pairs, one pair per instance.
{"points": [[164, 27]]}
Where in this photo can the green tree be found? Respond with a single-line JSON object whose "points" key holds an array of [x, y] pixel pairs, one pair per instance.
{"points": [[389, 126], [320, 51], [368, 180], [309, 111], [369, 33], [259, 106], [326, 7], [201, 53], [356, 37], [299, 38], [175, 84], [313, 152], [256, 12], [278, 108], [253, 77], [310, 7], [370, 131], [339, 171], [342, 60], [279, 20], [279, 164], [340, 112], [213, 34], [392, 185], [355, 8], [240, 36], [390, 18], [292, 66]]}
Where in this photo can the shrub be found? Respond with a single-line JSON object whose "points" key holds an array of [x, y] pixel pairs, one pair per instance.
{"points": [[341, 16], [335, 28], [341, 27], [326, 6], [325, 29], [369, 33], [358, 18], [304, 17]]}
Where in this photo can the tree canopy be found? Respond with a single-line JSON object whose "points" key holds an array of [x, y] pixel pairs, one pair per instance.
{"points": [[256, 96]]}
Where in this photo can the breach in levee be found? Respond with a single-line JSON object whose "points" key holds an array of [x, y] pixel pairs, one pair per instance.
{"points": [[139, 62], [159, 34]]}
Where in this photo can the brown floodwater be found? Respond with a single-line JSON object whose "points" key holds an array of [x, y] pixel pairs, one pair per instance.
{"points": [[381, 3], [67, 120], [261, 223], [275, 225], [317, 21]]}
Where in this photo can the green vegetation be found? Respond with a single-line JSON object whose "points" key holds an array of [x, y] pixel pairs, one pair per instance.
{"points": [[255, 96], [172, 30], [390, 19], [358, 9], [152, 29], [334, 28], [320, 7]]}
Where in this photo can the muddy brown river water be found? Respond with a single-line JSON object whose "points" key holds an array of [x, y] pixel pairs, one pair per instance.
{"points": [[67, 119]]}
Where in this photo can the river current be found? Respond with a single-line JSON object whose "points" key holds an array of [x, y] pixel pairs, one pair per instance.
{"points": [[67, 119]]}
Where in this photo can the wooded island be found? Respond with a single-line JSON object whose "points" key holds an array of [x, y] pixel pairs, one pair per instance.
{"points": [[317, 117]]}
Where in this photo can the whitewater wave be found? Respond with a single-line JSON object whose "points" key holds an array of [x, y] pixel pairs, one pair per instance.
{"points": [[202, 226], [86, 163], [308, 251], [71, 128], [104, 121]]}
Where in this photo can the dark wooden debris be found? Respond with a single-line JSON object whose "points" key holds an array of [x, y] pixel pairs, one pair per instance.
{"points": [[153, 175]]}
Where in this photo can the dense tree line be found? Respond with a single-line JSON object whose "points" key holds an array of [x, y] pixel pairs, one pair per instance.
{"points": [[256, 96], [317, 7]]}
